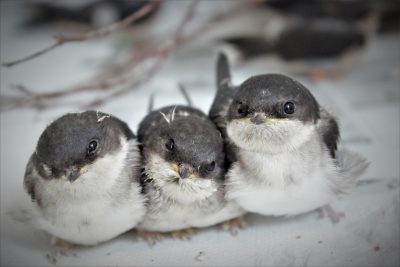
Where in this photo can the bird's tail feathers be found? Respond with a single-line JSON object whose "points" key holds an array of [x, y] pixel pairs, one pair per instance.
{"points": [[351, 166], [223, 72], [24, 215]]}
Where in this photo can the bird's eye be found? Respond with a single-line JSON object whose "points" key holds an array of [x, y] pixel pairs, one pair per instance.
{"points": [[210, 167], [243, 109], [170, 145], [289, 108], [92, 147]]}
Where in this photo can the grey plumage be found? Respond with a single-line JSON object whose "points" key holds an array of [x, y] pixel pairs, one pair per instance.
{"points": [[283, 144], [85, 165], [329, 130], [183, 163], [221, 103]]}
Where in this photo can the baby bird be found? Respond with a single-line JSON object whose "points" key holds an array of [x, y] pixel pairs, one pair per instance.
{"points": [[183, 171], [282, 145], [84, 178]]}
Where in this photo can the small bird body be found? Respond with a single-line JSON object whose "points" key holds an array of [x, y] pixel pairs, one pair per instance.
{"points": [[285, 158], [83, 179], [303, 39], [284, 183], [183, 171], [167, 215]]}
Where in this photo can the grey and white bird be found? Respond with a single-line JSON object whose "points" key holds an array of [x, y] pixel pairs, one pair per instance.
{"points": [[84, 178], [282, 145], [183, 162]]}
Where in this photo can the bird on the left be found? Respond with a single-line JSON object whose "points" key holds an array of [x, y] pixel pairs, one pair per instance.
{"points": [[84, 179]]}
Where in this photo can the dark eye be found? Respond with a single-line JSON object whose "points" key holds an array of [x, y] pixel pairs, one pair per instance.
{"points": [[170, 145], [92, 147], [288, 108], [210, 167], [243, 109]]}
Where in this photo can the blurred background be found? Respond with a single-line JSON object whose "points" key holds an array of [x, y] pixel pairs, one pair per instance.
{"points": [[69, 55]]}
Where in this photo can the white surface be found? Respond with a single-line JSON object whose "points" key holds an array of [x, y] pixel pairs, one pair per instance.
{"points": [[366, 101]]}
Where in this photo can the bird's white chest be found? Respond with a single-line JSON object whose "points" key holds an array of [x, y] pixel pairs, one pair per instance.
{"points": [[281, 184], [165, 215], [92, 221], [170, 218]]}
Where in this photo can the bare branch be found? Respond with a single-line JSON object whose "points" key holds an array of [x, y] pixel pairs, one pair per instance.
{"points": [[163, 54], [60, 39], [124, 77], [134, 84], [34, 55]]}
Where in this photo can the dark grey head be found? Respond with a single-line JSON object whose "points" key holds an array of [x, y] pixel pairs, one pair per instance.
{"points": [[183, 152], [270, 110], [77, 140], [188, 141], [275, 96]]}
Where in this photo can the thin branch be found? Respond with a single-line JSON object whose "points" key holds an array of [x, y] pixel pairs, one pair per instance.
{"points": [[34, 55], [185, 94], [103, 85], [117, 93], [121, 74], [176, 39], [61, 39], [238, 9]]}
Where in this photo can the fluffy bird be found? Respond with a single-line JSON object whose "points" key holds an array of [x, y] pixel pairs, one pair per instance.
{"points": [[84, 178], [282, 145], [305, 39], [183, 161]]}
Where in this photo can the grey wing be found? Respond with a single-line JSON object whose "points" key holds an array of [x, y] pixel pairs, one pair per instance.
{"points": [[225, 92], [30, 179], [329, 131], [223, 99]]}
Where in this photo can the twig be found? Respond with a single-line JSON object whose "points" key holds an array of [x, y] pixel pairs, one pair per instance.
{"points": [[61, 39], [124, 90], [185, 94], [121, 74], [176, 39], [103, 85]]}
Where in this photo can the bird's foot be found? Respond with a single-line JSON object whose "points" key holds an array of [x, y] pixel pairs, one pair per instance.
{"points": [[184, 234], [150, 237], [333, 215], [234, 225], [61, 246]]}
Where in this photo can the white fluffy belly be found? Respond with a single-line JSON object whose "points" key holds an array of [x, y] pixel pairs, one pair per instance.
{"points": [[272, 201], [92, 223], [282, 185]]}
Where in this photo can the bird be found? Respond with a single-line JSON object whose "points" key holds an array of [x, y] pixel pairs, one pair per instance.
{"points": [[318, 47], [307, 39], [84, 179], [183, 173], [347, 10], [284, 156]]}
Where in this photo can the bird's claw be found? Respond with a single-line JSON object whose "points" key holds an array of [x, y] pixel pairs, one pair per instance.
{"points": [[184, 234], [234, 225], [333, 215], [150, 237]]}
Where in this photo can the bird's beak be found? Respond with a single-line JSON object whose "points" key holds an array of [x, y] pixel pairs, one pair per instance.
{"points": [[261, 118], [72, 173], [258, 118], [184, 170]]}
